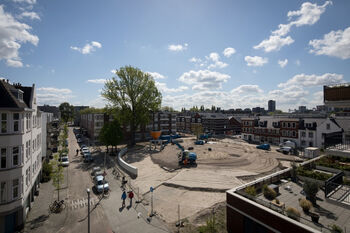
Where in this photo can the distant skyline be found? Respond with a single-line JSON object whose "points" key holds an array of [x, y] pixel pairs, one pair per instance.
{"points": [[231, 54]]}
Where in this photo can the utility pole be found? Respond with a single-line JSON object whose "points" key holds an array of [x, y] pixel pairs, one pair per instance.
{"points": [[88, 192]]}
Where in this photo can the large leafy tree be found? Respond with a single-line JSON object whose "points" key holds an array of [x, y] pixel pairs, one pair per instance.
{"points": [[67, 111], [135, 94], [111, 134]]}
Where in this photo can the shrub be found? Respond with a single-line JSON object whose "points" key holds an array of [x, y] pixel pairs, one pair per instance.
{"points": [[313, 174], [335, 228], [250, 190], [305, 205], [47, 169], [269, 193], [293, 213], [311, 188]]}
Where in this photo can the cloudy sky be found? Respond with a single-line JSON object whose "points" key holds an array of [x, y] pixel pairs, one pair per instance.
{"points": [[231, 54]]}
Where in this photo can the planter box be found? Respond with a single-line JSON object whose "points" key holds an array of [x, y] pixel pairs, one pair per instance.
{"points": [[330, 169], [304, 178]]}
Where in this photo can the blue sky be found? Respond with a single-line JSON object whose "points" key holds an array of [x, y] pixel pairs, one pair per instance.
{"points": [[231, 54]]}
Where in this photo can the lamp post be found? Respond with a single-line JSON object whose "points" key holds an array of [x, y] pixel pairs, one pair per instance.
{"points": [[88, 192]]}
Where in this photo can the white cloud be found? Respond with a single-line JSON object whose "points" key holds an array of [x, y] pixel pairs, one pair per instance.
{"points": [[88, 48], [163, 88], [156, 75], [31, 2], [54, 90], [256, 60], [29, 14], [229, 51], [13, 33], [113, 71], [313, 80], [245, 89], [177, 47], [308, 14], [335, 43], [53, 96], [195, 60], [204, 79], [274, 43], [97, 81], [215, 57], [282, 63]]}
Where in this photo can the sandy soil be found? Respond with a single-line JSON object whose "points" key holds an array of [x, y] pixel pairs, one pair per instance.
{"points": [[230, 163]]}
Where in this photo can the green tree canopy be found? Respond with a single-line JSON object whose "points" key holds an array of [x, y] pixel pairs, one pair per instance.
{"points": [[67, 111], [135, 94], [111, 134]]}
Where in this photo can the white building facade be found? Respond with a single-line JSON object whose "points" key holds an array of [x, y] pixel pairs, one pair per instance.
{"points": [[20, 153]]}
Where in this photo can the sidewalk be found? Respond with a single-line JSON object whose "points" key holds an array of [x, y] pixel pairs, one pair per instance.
{"points": [[126, 220]]}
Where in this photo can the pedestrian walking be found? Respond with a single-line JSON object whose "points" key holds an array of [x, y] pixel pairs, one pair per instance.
{"points": [[123, 198], [77, 152], [131, 196], [124, 181]]}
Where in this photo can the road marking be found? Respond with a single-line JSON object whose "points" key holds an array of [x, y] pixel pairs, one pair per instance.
{"points": [[81, 203]]}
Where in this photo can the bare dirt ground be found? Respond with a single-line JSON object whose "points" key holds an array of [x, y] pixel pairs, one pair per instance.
{"points": [[230, 163]]}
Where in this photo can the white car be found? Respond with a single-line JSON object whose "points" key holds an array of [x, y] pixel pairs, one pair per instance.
{"points": [[85, 150], [285, 150], [64, 161], [101, 184]]}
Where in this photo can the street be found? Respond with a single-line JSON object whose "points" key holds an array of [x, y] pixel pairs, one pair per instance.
{"points": [[106, 214]]}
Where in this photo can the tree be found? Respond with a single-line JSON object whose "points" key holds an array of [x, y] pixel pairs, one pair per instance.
{"points": [[311, 188], [202, 108], [67, 111], [194, 109], [111, 134], [197, 130], [135, 94], [168, 109], [57, 175]]}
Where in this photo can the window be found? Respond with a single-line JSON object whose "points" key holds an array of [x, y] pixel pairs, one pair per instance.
{"points": [[294, 134], [15, 153], [27, 177], [3, 192], [3, 122], [303, 134], [293, 124], [303, 143], [288, 125], [284, 124], [328, 126], [16, 122], [311, 134], [27, 150], [3, 157], [15, 187]]}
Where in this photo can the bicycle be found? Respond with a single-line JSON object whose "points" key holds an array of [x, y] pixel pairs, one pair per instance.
{"points": [[57, 206]]}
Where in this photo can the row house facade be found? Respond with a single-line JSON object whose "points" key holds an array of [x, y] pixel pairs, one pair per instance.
{"points": [[305, 132], [93, 123], [21, 153]]}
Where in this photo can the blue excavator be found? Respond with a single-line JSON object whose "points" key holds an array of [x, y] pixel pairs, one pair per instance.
{"points": [[185, 157]]}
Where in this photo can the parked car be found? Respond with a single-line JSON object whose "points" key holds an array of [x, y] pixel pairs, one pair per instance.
{"points": [[85, 150], [86, 153], [101, 184], [88, 158], [78, 136], [94, 170], [80, 140], [263, 147], [64, 161], [285, 150], [82, 146]]}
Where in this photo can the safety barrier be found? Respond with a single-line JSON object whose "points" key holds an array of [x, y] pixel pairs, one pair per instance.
{"points": [[127, 167]]}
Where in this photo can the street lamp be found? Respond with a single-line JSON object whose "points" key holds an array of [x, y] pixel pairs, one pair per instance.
{"points": [[88, 192]]}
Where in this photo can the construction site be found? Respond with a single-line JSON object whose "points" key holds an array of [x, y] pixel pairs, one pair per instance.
{"points": [[189, 176]]}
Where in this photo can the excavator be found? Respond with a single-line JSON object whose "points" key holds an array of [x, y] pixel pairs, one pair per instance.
{"points": [[186, 157]]}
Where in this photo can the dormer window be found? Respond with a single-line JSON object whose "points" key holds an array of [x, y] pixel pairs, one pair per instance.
{"points": [[18, 94]]}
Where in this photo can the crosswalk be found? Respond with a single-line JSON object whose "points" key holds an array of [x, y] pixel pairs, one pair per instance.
{"points": [[82, 203]]}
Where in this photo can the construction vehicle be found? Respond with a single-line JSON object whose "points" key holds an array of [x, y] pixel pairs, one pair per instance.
{"points": [[185, 157], [263, 147], [199, 142]]}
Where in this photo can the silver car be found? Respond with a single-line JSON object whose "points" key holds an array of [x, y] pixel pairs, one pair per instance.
{"points": [[101, 184]]}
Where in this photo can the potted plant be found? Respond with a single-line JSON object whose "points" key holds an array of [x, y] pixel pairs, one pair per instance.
{"points": [[314, 217], [305, 205], [269, 193], [293, 213], [311, 188]]}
